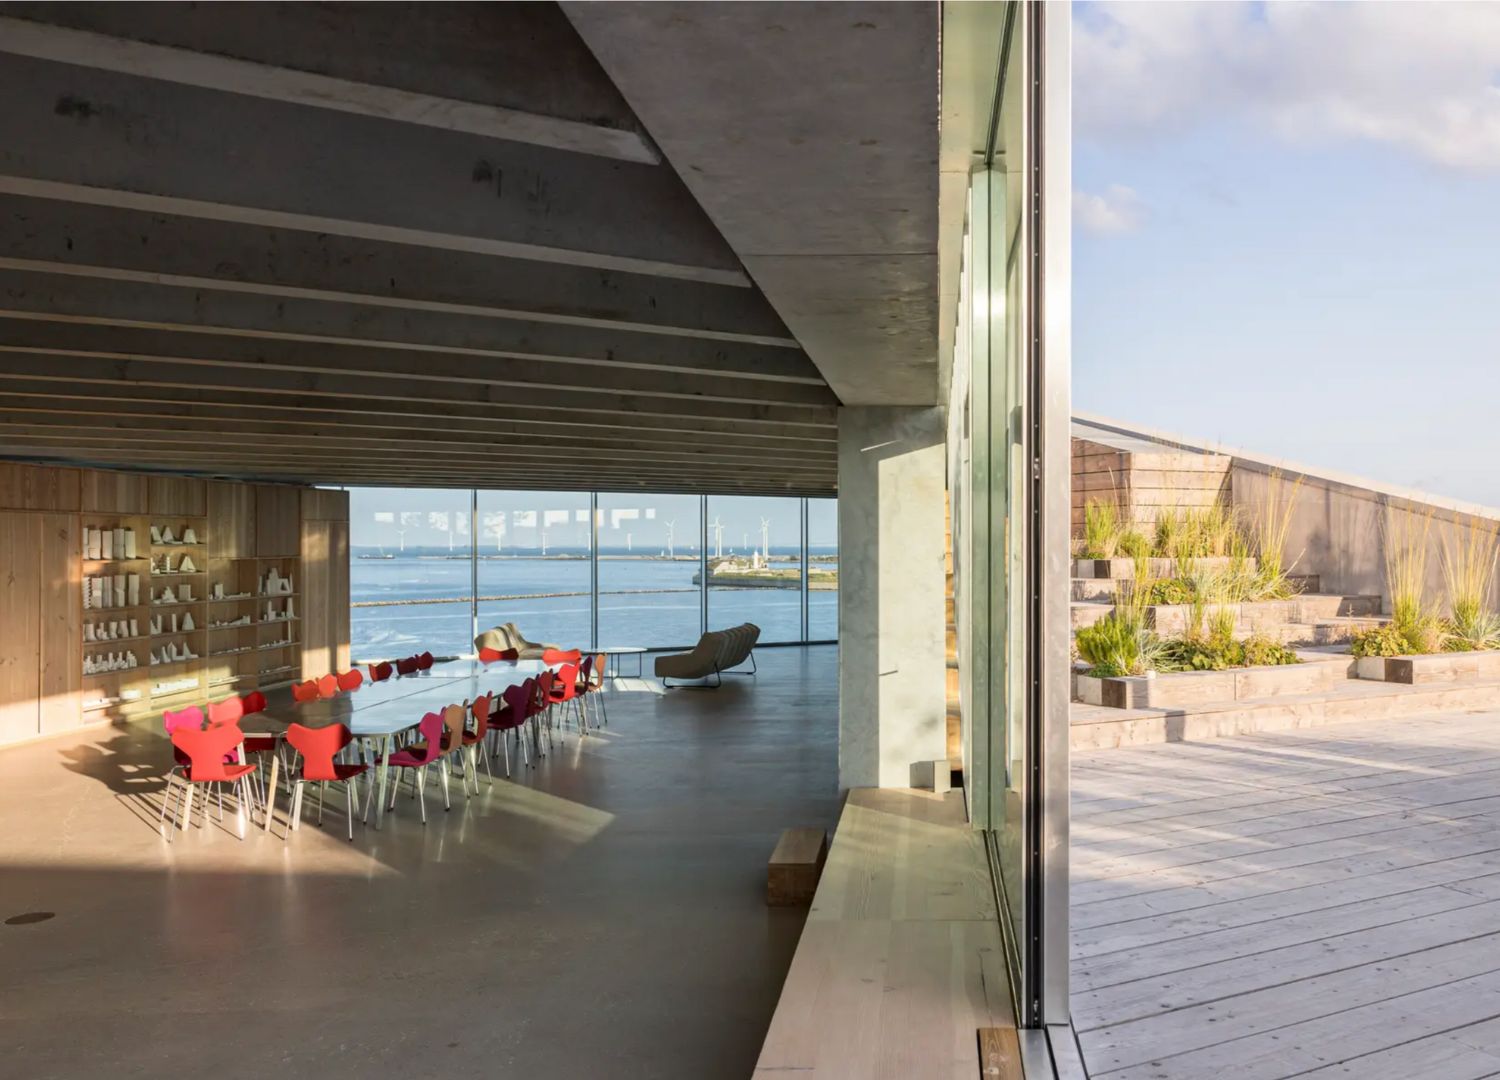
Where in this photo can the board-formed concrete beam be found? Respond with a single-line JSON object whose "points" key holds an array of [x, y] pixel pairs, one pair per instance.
{"points": [[103, 138], [216, 381], [55, 389], [21, 37], [139, 246], [67, 297], [504, 372]]}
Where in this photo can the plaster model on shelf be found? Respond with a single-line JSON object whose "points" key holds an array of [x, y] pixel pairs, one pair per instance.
{"points": [[102, 664], [243, 620], [172, 686], [273, 584]]}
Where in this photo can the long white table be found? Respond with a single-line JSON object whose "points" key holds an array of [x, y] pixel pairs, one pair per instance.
{"points": [[379, 711]]}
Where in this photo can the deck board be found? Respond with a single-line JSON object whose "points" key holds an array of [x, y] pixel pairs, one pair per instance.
{"points": [[1314, 903]]}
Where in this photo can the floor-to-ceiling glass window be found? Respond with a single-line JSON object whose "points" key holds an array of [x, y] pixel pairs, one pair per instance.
{"points": [[822, 569], [409, 571], [755, 565], [650, 570], [1010, 417], [535, 549]]}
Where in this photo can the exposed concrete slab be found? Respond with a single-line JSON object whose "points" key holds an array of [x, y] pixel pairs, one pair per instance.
{"points": [[828, 188]]}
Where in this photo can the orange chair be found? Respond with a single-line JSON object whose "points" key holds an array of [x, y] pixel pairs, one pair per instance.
{"points": [[473, 740], [561, 656], [564, 691], [489, 655], [318, 746], [307, 691], [596, 684], [328, 686], [227, 711], [351, 680], [206, 751]]}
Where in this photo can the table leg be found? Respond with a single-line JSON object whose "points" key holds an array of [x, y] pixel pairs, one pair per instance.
{"points": [[384, 772], [271, 789]]}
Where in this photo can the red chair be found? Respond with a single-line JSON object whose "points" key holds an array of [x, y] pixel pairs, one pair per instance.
{"points": [[307, 691], [473, 741], [207, 751], [351, 680], [380, 672], [561, 656], [424, 661], [407, 666], [318, 747], [541, 709], [489, 655], [328, 686], [512, 716], [418, 756], [564, 691], [255, 702]]}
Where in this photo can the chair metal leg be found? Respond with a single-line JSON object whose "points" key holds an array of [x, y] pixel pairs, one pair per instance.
{"points": [[443, 775], [349, 800], [488, 772], [422, 795], [166, 795], [322, 787]]}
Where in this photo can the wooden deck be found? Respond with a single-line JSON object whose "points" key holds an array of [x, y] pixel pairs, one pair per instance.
{"points": [[1318, 903]]}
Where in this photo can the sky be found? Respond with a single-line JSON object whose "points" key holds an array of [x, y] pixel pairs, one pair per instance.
{"points": [[1287, 231]]}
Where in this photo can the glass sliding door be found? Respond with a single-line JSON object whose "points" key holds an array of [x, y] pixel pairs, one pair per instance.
{"points": [[410, 573], [755, 565], [535, 551], [650, 571], [1009, 483]]}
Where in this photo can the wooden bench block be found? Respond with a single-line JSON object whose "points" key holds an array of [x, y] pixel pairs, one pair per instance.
{"points": [[797, 862]]}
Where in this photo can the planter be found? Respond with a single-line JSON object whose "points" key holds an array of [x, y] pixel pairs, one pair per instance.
{"points": [[1183, 689], [1456, 667], [1160, 568]]}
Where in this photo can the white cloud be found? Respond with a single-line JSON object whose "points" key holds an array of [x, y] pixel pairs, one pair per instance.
{"points": [[1421, 77], [1117, 210]]}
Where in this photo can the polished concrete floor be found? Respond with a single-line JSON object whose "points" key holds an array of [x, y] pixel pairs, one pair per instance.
{"points": [[602, 914], [1318, 904]]}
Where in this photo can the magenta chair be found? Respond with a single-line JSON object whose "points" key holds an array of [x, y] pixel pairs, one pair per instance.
{"points": [[512, 717], [415, 761]]}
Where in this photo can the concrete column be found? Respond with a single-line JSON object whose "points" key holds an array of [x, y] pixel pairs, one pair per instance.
{"points": [[891, 587]]}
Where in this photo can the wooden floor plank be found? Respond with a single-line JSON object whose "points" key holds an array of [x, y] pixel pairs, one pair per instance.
{"points": [[1322, 902]]}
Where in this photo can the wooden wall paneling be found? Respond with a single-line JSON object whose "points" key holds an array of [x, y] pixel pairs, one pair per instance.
{"points": [[20, 629], [338, 591], [278, 521], [325, 504], [231, 520], [38, 487], [180, 496], [317, 656], [61, 632], [105, 492]]}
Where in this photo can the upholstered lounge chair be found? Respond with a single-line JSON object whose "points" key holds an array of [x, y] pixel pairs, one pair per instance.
{"points": [[507, 636], [716, 652]]}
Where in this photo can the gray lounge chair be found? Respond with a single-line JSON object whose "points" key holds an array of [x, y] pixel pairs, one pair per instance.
{"points": [[507, 636], [716, 652]]}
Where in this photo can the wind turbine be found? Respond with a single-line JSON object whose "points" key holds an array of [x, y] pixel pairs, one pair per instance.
{"points": [[401, 539], [671, 533], [718, 528], [765, 539]]}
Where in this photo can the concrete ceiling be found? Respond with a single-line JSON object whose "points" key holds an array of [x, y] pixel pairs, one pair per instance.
{"points": [[809, 133], [383, 243]]}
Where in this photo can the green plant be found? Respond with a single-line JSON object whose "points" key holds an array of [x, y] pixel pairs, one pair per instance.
{"points": [[1382, 640], [1133, 543], [1261, 651], [1168, 537], [1115, 645], [1272, 524], [1101, 529], [1469, 571], [1406, 536], [1173, 590]]}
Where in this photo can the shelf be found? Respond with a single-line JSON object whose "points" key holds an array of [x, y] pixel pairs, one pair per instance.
{"points": [[113, 703], [117, 671], [111, 562], [275, 645], [275, 595], [229, 681], [169, 663], [123, 607], [181, 633], [156, 694], [230, 652], [179, 544], [178, 573], [271, 622], [176, 603], [100, 643], [230, 599], [237, 626]]}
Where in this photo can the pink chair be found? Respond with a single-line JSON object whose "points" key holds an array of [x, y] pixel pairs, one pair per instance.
{"points": [[427, 750], [318, 746], [351, 680], [208, 750]]}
